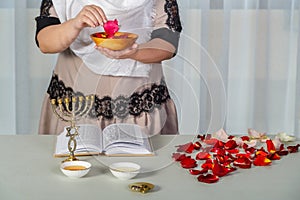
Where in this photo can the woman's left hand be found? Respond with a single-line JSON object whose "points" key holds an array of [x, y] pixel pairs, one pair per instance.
{"points": [[122, 54]]}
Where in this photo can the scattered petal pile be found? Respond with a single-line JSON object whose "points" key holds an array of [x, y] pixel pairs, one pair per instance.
{"points": [[217, 155]]}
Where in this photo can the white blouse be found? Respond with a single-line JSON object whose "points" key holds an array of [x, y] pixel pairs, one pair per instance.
{"points": [[138, 16], [133, 16]]}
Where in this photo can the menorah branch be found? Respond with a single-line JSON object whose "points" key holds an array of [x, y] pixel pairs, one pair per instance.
{"points": [[72, 110]]}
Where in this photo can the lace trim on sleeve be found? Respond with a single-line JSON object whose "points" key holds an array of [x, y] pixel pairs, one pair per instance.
{"points": [[45, 8], [173, 21]]}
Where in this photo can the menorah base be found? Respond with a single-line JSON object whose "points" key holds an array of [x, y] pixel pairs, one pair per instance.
{"points": [[70, 158]]}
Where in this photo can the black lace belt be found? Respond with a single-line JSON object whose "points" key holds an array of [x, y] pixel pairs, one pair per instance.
{"points": [[121, 107]]}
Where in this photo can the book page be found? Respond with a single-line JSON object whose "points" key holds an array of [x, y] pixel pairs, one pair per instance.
{"points": [[88, 140], [125, 139], [129, 149]]}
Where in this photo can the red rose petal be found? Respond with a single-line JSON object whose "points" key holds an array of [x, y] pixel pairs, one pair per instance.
{"points": [[245, 146], [245, 138], [218, 151], [100, 35], [230, 137], [219, 170], [231, 144], [270, 146], [197, 172], [209, 178], [178, 156], [261, 161], [197, 145], [211, 141], [231, 156], [250, 150], [233, 151], [188, 147], [203, 156], [273, 156], [188, 162], [219, 144], [281, 147], [261, 153], [243, 155], [231, 169], [201, 137], [242, 161], [293, 149], [208, 164], [224, 160], [283, 152]]}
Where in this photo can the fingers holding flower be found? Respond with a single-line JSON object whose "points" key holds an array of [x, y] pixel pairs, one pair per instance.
{"points": [[90, 16]]}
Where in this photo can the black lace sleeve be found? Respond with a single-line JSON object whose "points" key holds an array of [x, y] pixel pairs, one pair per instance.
{"points": [[45, 7], [45, 19], [173, 21], [168, 22]]}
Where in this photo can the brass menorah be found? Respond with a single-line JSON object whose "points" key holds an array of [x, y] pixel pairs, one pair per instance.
{"points": [[72, 109]]}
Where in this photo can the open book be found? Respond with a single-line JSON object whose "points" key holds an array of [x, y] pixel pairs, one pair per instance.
{"points": [[114, 140]]}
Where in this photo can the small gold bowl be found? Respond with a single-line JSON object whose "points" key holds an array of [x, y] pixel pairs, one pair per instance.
{"points": [[120, 41]]}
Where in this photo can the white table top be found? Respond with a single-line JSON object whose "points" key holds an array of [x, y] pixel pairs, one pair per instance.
{"points": [[29, 171]]}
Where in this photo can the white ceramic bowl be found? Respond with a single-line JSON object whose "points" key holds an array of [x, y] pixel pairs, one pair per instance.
{"points": [[75, 169], [124, 170]]}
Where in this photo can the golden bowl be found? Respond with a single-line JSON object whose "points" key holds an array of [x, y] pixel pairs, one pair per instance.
{"points": [[120, 41]]}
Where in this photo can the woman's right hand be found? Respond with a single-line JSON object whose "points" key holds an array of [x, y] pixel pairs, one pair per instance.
{"points": [[90, 16], [57, 38]]}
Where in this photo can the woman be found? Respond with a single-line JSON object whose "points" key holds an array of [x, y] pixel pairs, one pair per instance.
{"points": [[129, 84]]}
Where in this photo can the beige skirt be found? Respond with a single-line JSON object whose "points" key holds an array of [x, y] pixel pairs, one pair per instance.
{"points": [[139, 100]]}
